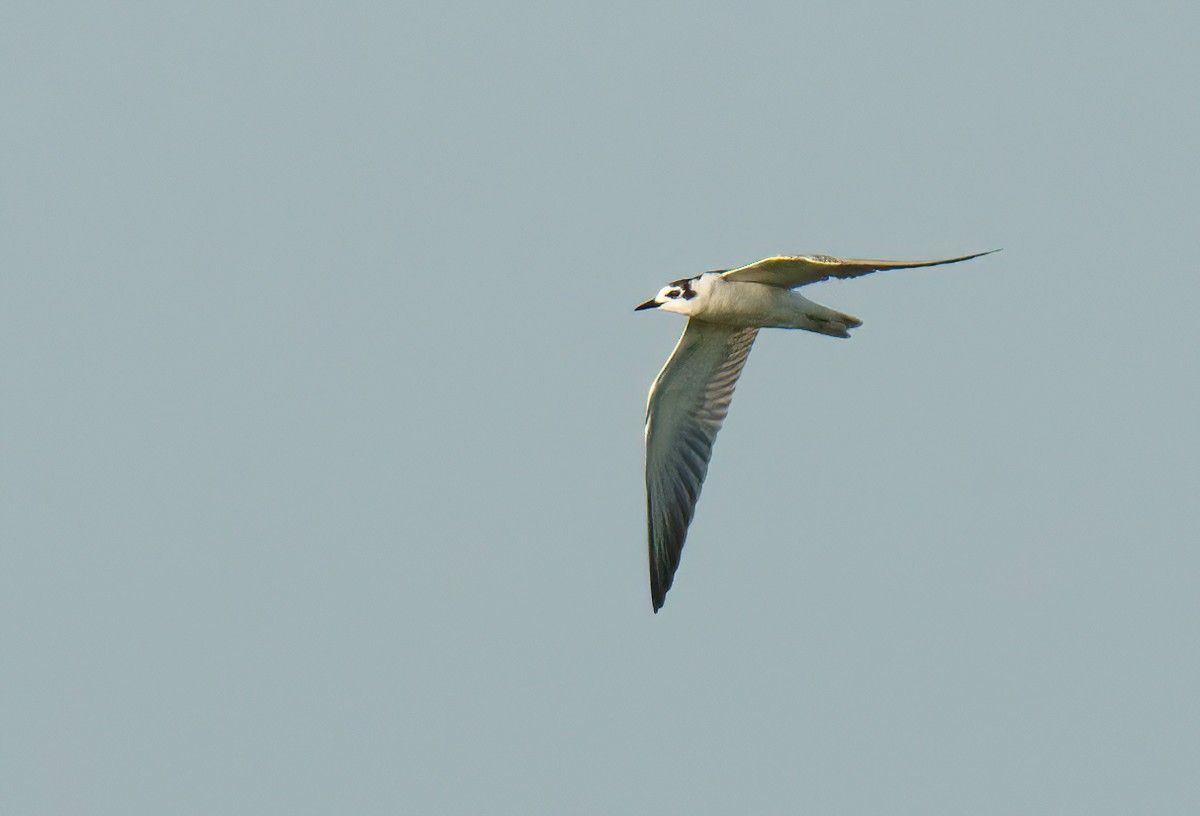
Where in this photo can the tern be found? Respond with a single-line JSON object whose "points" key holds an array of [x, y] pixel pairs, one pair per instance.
{"points": [[690, 397]]}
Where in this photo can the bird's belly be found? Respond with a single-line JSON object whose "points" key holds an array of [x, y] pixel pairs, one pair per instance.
{"points": [[752, 304]]}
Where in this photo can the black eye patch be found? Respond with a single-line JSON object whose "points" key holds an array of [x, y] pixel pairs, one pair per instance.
{"points": [[684, 288]]}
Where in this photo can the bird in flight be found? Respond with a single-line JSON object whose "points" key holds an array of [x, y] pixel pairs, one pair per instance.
{"points": [[690, 397]]}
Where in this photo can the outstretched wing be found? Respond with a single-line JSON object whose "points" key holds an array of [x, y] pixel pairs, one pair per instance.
{"points": [[688, 402], [800, 270]]}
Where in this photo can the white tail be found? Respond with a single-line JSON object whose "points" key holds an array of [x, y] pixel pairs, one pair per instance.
{"points": [[823, 320]]}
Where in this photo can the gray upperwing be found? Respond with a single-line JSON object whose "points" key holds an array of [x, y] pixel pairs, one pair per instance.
{"points": [[801, 270], [688, 402]]}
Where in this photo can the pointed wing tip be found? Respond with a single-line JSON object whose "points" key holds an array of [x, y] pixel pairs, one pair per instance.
{"points": [[976, 255], [957, 258], [660, 585]]}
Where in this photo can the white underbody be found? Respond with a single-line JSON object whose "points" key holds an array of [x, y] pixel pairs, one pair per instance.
{"points": [[756, 305]]}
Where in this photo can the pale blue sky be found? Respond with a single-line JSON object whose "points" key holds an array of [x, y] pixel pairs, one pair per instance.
{"points": [[321, 455]]}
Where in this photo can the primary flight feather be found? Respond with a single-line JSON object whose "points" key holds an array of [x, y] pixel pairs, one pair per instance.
{"points": [[690, 397]]}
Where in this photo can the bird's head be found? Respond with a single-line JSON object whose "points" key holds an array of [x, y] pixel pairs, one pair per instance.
{"points": [[682, 297]]}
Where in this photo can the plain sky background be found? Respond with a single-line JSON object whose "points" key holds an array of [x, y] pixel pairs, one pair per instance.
{"points": [[323, 394]]}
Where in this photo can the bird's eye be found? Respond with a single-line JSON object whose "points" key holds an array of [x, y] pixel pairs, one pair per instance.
{"points": [[672, 293]]}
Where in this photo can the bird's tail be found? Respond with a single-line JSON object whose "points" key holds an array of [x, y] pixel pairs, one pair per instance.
{"points": [[823, 320]]}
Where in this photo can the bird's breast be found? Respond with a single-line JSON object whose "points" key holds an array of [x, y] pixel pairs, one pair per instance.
{"points": [[735, 303]]}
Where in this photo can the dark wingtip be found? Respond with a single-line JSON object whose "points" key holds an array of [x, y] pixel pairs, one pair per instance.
{"points": [[658, 595]]}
